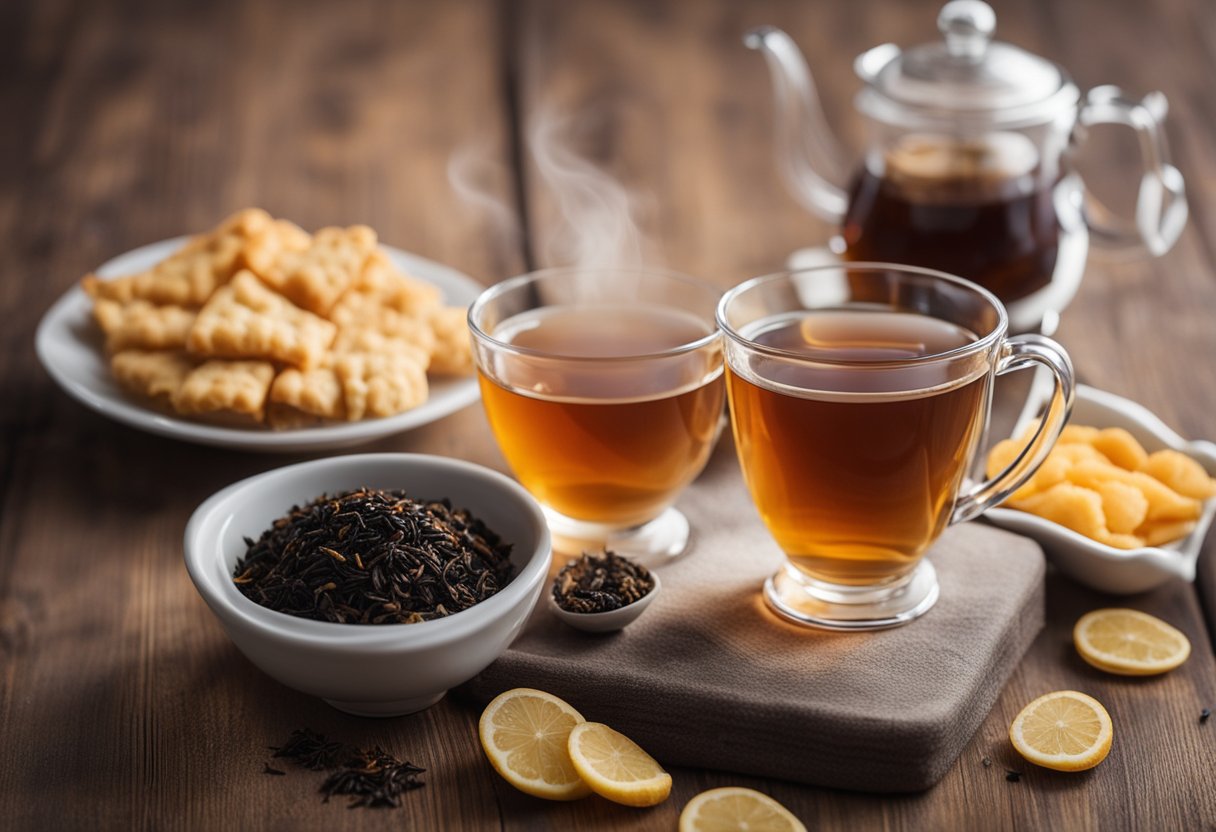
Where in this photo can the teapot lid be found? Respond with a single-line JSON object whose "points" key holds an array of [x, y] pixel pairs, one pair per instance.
{"points": [[967, 73]]}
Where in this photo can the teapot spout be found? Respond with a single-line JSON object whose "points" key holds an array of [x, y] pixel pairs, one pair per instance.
{"points": [[807, 152]]}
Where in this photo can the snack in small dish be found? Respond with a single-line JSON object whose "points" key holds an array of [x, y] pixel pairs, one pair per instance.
{"points": [[351, 336], [1102, 483], [1099, 565]]}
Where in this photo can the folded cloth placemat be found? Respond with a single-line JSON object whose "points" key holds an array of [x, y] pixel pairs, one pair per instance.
{"points": [[709, 677]]}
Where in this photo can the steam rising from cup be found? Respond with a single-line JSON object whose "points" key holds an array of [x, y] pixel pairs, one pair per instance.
{"points": [[596, 224], [593, 221]]}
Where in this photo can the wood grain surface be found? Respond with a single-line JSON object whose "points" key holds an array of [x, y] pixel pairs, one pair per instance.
{"points": [[122, 703]]}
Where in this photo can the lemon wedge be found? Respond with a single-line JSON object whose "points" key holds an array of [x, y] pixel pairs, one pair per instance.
{"points": [[615, 767], [1065, 730], [733, 809], [524, 733], [1129, 642]]}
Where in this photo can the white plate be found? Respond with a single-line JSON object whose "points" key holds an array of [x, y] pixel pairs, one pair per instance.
{"points": [[1119, 571], [69, 346]]}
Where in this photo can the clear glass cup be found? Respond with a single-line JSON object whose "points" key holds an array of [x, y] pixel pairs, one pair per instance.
{"points": [[859, 396], [604, 390]]}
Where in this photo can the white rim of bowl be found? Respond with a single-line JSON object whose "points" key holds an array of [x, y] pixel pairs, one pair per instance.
{"points": [[207, 524]]}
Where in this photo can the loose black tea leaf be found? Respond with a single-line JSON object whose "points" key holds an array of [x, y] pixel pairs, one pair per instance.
{"points": [[1205, 714], [374, 778], [1012, 776], [269, 769], [374, 557], [600, 583], [987, 761], [312, 750]]}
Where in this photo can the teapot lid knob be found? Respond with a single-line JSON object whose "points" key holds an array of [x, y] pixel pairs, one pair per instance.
{"points": [[967, 26]]}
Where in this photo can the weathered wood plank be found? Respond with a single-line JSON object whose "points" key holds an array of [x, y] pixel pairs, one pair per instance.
{"points": [[122, 703]]}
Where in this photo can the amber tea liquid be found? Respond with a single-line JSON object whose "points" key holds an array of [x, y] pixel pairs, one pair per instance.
{"points": [[855, 479], [980, 210], [608, 444]]}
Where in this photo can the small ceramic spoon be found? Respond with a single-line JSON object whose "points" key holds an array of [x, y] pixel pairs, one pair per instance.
{"points": [[607, 622]]}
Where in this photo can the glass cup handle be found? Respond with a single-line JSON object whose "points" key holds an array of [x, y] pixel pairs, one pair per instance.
{"points": [[1017, 354], [1161, 208]]}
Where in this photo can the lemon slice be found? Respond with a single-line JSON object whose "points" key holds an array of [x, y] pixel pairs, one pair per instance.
{"points": [[616, 767], [1064, 730], [524, 734], [734, 809], [1129, 642]]}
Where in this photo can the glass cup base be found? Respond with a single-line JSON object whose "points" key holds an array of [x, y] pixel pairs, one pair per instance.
{"points": [[804, 600], [651, 544]]}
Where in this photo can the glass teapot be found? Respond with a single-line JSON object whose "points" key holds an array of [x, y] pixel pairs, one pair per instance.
{"points": [[967, 164]]}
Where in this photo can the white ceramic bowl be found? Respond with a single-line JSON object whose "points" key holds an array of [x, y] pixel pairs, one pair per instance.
{"points": [[1118, 571], [369, 670]]}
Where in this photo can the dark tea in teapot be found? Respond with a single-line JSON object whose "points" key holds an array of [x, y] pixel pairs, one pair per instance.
{"points": [[978, 208]]}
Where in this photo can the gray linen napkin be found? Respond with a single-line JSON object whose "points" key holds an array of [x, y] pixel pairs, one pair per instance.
{"points": [[709, 677]]}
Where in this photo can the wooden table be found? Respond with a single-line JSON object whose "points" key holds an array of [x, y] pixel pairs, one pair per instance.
{"points": [[123, 705]]}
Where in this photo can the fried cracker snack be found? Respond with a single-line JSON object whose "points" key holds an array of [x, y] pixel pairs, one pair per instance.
{"points": [[387, 303], [259, 321], [142, 325], [303, 397], [229, 391], [394, 290], [371, 341], [453, 353], [380, 385], [1104, 485], [157, 375], [314, 278], [247, 320], [191, 275]]}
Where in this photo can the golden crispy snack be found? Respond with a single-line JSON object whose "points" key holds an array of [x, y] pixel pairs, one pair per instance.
{"points": [[1181, 473], [279, 237], [1076, 434], [1165, 531], [380, 385], [189, 276], [1125, 506], [247, 320], [1103, 484], [142, 325], [1053, 470], [315, 277], [1121, 448], [394, 289], [1070, 505], [303, 397], [1078, 452], [374, 342], [1163, 503], [453, 352], [157, 375], [389, 303], [229, 391], [1079, 509]]}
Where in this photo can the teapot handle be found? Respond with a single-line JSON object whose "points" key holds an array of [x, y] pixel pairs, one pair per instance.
{"points": [[1161, 208]]}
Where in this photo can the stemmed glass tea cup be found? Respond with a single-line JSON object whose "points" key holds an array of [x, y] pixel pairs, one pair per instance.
{"points": [[604, 390]]}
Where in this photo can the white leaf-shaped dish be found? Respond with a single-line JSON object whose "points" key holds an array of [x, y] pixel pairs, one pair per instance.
{"points": [[1118, 571]]}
